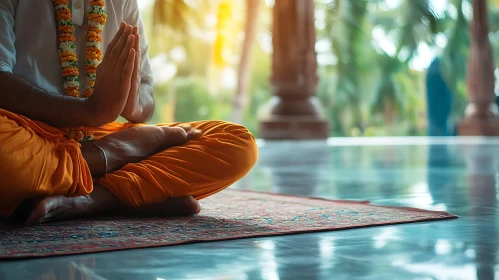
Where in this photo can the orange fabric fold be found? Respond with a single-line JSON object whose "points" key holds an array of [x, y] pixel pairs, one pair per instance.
{"points": [[224, 154], [37, 160]]}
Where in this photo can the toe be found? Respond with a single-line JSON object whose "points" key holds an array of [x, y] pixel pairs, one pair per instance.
{"points": [[175, 135], [192, 206], [185, 205], [39, 211], [50, 209]]}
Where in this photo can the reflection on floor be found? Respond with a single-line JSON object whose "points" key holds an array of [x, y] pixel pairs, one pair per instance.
{"points": [[454, 175]]}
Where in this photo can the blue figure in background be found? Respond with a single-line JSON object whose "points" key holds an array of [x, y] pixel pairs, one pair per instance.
{"points": [[439, 101]]}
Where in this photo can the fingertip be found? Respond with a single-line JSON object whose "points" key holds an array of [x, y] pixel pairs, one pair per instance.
{"points": [[131, 38]]}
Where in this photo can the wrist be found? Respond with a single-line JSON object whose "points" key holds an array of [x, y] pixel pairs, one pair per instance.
{"points": [[132, 114], [95, 117], [141, 110], [85, 112]]}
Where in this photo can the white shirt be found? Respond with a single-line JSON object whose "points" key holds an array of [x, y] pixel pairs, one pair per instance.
{"points": [[28, 38]]}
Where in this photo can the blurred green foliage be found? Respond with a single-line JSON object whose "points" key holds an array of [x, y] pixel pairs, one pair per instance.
{"points": [[366, 88]]}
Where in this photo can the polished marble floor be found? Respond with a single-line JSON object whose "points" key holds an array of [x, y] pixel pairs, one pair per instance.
{"points": [[458, 175]]}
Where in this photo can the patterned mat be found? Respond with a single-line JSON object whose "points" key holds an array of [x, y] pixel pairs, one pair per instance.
{"points": [[231, 214]]}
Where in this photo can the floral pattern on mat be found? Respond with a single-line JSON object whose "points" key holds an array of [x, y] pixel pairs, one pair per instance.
{"points": [[231, 214]]}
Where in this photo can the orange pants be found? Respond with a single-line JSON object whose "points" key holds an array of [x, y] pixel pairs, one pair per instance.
{"points": [[37, 160]]}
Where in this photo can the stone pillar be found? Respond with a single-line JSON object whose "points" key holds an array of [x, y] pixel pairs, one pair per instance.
{"points": [[481, 115], [295, 110]]}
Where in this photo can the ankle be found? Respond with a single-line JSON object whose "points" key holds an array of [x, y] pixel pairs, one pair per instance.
{"points": [[101, 199]]}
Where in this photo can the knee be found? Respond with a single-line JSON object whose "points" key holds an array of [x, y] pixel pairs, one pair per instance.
{"points": [[243, 149], [250, 152]]}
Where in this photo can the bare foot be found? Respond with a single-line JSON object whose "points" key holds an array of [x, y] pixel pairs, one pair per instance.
{"points": [[58, 208], [100, 201], [191, 132], [179, 206], [133, 145]]}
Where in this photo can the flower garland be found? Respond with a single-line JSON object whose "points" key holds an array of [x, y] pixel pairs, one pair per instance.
{"points": [[67, 52], [67, 49]]}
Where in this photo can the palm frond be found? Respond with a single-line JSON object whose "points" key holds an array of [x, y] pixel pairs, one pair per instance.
{"points": [[347, 35], [388, 89], [419, 23], [171, 14]]}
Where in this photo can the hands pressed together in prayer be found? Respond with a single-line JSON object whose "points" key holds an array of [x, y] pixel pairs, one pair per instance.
{"points": [[116, 91], [133, 101]]}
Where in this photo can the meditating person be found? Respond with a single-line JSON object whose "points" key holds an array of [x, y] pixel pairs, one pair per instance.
{"points": [[67, 72]]}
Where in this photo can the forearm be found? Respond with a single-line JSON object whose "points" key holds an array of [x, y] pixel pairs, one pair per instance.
{"points": [[143, 112], [21, 97]]}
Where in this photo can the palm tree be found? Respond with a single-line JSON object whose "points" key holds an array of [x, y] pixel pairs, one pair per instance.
{"points": [[244, 70], [344, 25], [388, 98], [419, 24], [171, 14]]}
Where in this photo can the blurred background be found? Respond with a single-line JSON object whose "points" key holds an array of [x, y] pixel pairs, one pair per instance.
{"points": [[383, 65]]}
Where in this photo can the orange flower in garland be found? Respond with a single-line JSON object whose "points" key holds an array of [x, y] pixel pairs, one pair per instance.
{"points": [[93, 55], [66, 37], [66, 72], [72, 91], [67, 53], [67, 49], [60, 2]]}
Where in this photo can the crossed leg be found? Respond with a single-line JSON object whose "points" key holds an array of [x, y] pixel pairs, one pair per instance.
{"points": [[154, 174], [127, 146]]}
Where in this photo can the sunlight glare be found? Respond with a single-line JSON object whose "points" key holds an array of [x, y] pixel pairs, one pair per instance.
{"points": [[144, 3], [439, 6], [383, 41], [424, 57], [443, 247]]}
